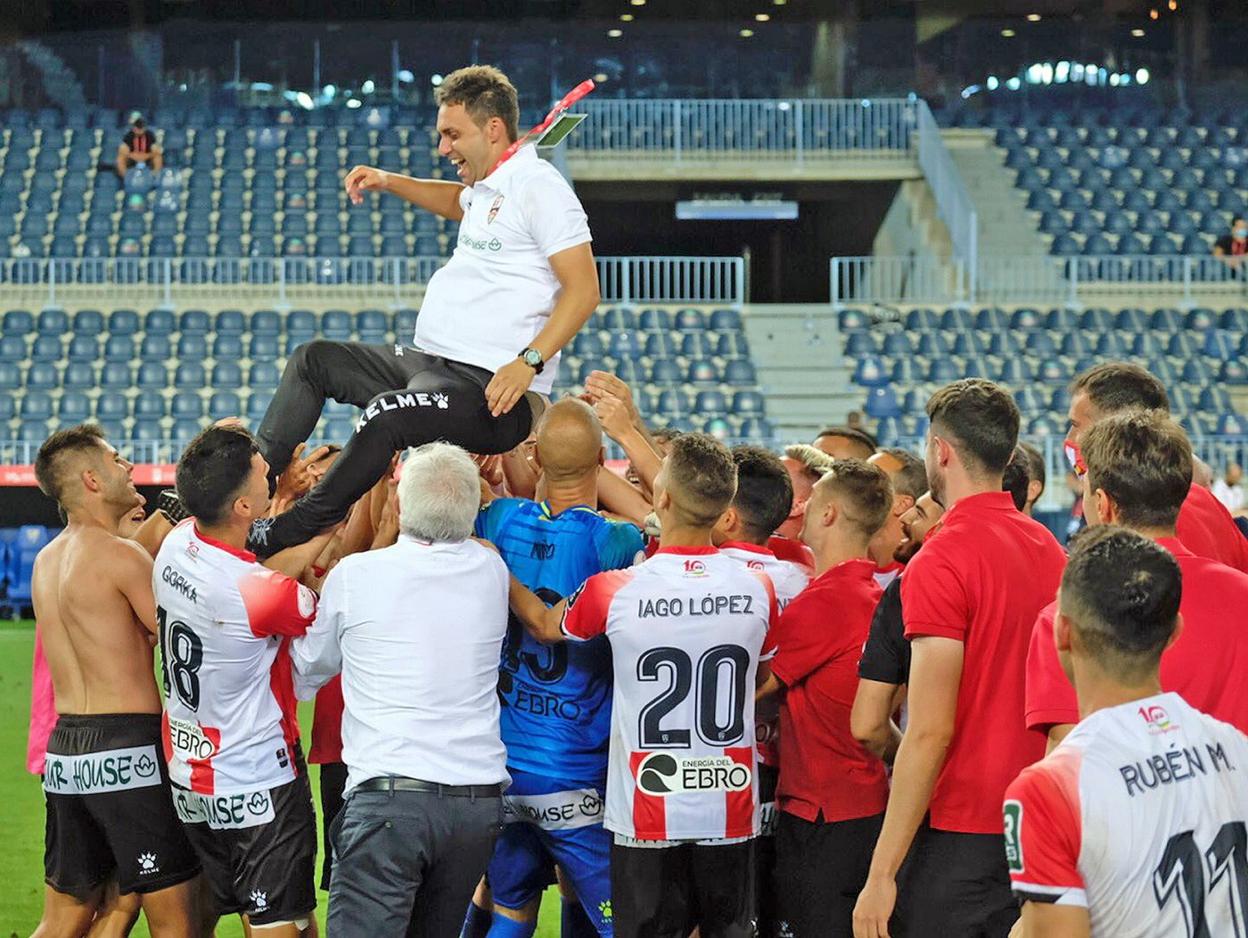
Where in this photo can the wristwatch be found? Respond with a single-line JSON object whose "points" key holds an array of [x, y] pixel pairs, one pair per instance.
{"points": [[533, 358]]}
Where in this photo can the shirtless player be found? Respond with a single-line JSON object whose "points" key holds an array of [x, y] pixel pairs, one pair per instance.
{"points": [[109, 809]]}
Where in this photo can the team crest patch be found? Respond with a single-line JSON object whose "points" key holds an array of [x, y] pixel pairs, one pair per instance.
{"points": [[493, 213]]}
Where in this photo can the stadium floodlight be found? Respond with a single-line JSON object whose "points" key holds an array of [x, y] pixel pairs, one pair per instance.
{"points": [[405, 75], [1141, 76], [1061, 73], [435, 80], [353, 103], [614, 33], [1008, 33], [1014, 83], [1137, 33], [746, 33], [762, 17], [304, 100], [368, 87]]}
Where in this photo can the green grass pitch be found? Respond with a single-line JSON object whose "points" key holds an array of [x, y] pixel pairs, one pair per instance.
{"points": [[21, 805]]}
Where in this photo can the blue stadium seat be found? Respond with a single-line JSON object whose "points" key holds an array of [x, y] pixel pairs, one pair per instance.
{"points": [[159, 322], [852, 320], [627, 345], [84, 348], [739, 373], [195, 322], [263, 348], [748, 403], [689, 319], [227, 346], [35, 405], [227, 375], [17, 322], [665, 372], [266, 322], [263, 376], [224, 404], [11, 376], [192, 347], [186, 405], [710, 403], [123, 322], [882, 402], [619, 317], [723, 320], [700, 374], [870, 372], [148, 404], [12, 348], [53, 322], [152, 375], [42, 376], [189, 376], [696, 345], [147, 431], [861, 343], [230, 322], [655, 320], [88, 322], [258, 403], [47, 348]]}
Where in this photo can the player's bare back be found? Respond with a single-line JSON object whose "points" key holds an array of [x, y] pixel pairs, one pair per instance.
{"points": [[98, 647]]}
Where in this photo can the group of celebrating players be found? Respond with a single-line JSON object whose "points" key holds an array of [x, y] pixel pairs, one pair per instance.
{"points": [[739, 693]]}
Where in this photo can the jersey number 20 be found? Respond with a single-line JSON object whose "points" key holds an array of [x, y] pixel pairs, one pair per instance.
{"points": [[1181, 875], [182, 653], [722, 664]]}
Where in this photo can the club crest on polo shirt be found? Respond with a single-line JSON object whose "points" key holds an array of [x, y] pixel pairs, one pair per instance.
{"points": [[694, 568], [1157, 720], [493, 213], [661, 773]]}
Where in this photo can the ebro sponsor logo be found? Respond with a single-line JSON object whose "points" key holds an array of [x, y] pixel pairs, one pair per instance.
{"points": [[663, 774], [695, 568], [188, 740]]}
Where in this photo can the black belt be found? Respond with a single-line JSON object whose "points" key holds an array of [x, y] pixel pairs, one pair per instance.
{"points": [[393, 783]]}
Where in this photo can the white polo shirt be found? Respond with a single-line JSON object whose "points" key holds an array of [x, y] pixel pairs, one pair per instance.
{"points": [[417, 631], [496, 292]]}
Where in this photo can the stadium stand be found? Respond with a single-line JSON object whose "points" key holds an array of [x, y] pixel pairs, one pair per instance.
{"points": [[1036, 352], [195, 366]]}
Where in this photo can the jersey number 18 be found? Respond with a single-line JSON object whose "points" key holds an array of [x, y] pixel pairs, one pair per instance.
{"points": [[182, 652]]}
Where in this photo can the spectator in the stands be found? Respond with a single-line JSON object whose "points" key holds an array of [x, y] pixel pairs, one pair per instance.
{"points": [[1038, 475], [806, 466], [138, 146], [1233, 245], [1229, 490], [846, 443], [853, 420]]}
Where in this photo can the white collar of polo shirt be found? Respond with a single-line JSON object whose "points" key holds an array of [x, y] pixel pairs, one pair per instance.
{"points": [[526, 155], [405, 538]]}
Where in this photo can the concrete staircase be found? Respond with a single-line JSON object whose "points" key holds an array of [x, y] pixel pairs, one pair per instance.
{"points": [[1006, 229], [797, 352]]}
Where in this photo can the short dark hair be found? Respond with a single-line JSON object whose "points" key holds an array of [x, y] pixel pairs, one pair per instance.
{"points": [[853, 434], [864, 491], [1143, 461], [1035, 459], [485, 92], [764, 491], [981, 419], [1017, 477], [665, 434], [1121, 593], [56, 451], [911, 478], [702, 478], [1113, 387], [212, 469]]}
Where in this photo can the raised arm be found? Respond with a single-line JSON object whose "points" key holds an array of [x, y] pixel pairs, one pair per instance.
{"points": [[134, 580], [439, 196]]}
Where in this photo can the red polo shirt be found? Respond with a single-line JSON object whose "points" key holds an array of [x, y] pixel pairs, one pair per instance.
{"points": [[1207, 665], [819, 638], [1206, 529], [981, 580]]}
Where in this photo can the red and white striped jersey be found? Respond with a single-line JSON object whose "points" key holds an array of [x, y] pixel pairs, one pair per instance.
{"points": [[789, 579], [1141, 816], [687, 630], [225, 622]]}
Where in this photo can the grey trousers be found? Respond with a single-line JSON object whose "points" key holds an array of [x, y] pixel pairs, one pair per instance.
{"points": [[406, 863]]}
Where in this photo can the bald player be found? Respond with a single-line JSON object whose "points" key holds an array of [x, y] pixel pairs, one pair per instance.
{"points": [[806, 466], [909, 478], [110, 811], [556, 713]]}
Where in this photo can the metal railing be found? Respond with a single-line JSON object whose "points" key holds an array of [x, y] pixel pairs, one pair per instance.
{"points": [[1183, 279], [953, 202], [283, 281], [701, 130]]}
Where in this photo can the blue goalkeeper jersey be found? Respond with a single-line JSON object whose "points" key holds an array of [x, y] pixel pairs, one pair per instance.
{"points": [[556, 699]]}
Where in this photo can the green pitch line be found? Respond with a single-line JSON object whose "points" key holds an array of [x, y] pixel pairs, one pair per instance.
{"points": [[21, 860]]}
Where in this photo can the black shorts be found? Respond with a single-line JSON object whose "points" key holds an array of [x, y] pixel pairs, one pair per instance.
{"points": [[258, 849], [109, 810], [955, 884], [820, 869], [663, 892], [333, 783], [765, 850]]}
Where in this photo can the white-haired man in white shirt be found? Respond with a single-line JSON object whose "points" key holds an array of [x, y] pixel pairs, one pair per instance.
{"points": [[416, 630]]}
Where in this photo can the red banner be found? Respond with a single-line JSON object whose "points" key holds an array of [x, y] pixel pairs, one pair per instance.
{"points": [[146, 474]]}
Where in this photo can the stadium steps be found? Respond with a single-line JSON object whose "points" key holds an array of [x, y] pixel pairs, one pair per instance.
{"points": [[797, 350], [1005, 227]]}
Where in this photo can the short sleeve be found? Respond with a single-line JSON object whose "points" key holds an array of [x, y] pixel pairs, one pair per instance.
{"points": [[933, 593], [585, 615], [1043, 831], [554, 214], [1049, 698], [275, 603], [801, 641], [883, 656], [465, 199], [491, 519], [620, 544]]}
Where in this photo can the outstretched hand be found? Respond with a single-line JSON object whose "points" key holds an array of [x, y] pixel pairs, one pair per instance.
{"points": [[603, 384], [363, 179]]}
